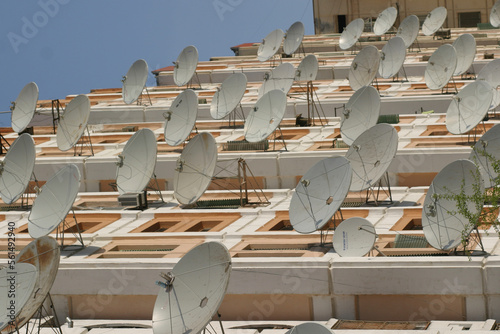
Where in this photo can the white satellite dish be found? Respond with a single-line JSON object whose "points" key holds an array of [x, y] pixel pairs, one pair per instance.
{"points": [[371, 154], [73, 122], [486, 147], [281, 77], [185, 65], [354, 237], [491, 74], [195, 168], [351, 34], [24, 107], [465, 46], [309, 328], [265, 116], [392, 58], [54, 201], [193, 291], [434, 20], [135, 81], [440, 67], [385, 21], [307, 69], [364, 67], [495, 14], [24, 277], [270, 45], [137, 162], [227, 98], [360, 113], [443, 226], [468, 107], [16, 168], [319, 194], [293, 38], [408, 30], [180, 118]]}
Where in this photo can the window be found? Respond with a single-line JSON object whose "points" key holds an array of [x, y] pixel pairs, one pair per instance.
{"points": [[469, 19]]}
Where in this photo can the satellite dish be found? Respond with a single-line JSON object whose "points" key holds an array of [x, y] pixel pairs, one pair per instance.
{"points": [[487, 146], [265, 116], [408, 30], [354, 237], [281, 77], [137, 162], [319, 194], [440, 67], [24, 107], [307, 69], [385, 21], [185, 65], [73, 122], [468, 107], [392, 57], [270, 45], [54, 201], [16, 168], [293, 38], [227, 98], [193, 290], [24, 276], [495, 14], [135, 81], [434, 21], [44, 254], [364, 67], [360, 113], [371, 154], [351, 34], [180, 118], [443, 226], [195, 168], [465, 46], [309, 328], [491, 74]]}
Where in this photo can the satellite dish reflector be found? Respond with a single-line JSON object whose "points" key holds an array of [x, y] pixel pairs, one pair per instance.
{"points": [[486, 147], [16, 168], [185, 65], [265, 116], [307, 69], [23, 276], [364, 67], [73, 122], [135, 81], [293, 38], [392, 57], [385, 21], [270, 45], [465, 46], [193, 290], [408, 30], [319, 194], [54, 201], [440, 67], [180, 118], [491, 74], [351, 34], [195, 168], [495, 14], [227, 98], [360, 113], [434, 21], [24, 107], [137, 162], [281, 77], [354, 237], [371, 154], [443, 226], [468, 107], [309, 328]]}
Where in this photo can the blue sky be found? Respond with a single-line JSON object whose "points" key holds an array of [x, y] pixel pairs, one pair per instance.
{"points": [[73, 46]]}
